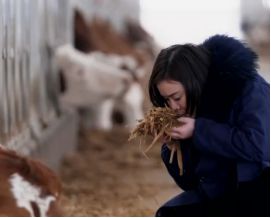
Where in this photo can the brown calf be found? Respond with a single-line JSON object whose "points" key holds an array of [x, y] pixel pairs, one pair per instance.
{"points": [[27, 187]]}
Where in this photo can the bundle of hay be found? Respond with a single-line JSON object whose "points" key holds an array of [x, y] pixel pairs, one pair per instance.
{"points": [[157, 123]]}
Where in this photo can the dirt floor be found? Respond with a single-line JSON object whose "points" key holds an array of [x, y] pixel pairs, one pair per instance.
{"points": [[109, 176]]}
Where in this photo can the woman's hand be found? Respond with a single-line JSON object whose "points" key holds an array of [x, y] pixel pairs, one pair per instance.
{"points": [[185, 130]]}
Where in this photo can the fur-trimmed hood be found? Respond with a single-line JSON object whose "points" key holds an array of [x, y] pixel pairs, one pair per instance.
{"points": [[231, 58], [232, 64]]}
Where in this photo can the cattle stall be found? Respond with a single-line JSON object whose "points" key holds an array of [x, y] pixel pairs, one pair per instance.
{"points": [[68, 68], [31, 120]]}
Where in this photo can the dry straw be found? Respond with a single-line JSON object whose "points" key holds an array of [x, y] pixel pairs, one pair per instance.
{"points": [[157, 123]]}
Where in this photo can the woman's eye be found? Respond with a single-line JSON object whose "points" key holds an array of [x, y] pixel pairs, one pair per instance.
{"points": [[177, 99]]}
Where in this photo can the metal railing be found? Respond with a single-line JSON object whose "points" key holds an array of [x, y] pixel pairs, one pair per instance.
{"points": [[30, 30]]}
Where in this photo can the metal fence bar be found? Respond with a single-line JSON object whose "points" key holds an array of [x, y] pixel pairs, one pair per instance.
{"points": [[30, 31]]}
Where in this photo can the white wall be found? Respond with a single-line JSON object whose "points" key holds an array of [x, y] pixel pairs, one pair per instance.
{"points": [[182, 21]]}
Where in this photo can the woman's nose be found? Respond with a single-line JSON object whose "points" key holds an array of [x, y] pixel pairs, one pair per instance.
{"points": [[173, 105]]}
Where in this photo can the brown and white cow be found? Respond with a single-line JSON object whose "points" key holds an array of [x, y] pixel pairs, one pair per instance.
{"points": [[27, 187]]}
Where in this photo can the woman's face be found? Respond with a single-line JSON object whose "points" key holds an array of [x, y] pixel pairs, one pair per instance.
{"points": [[174, 94]]}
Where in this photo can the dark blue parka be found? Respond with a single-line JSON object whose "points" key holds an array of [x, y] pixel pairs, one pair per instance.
{"points": [[230, 143]]}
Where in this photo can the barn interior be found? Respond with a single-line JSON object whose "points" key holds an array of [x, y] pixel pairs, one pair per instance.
{"points": [[74, 83]]}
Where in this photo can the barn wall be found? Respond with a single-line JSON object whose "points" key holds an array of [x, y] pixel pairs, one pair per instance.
{"points": [[30, 31]]}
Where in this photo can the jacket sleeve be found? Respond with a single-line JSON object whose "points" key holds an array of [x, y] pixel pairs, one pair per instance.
{"points": [[187, 181], [246, 139]]}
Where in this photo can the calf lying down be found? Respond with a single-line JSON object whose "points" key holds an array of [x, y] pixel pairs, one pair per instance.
{"points": [[27, 187], [97, 81]]}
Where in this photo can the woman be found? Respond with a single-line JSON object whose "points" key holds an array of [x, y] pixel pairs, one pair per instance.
{"points": [[224, 136]]}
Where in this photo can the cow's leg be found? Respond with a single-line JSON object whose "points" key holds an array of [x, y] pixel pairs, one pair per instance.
{"points": [[103, 113], [133, 105]]}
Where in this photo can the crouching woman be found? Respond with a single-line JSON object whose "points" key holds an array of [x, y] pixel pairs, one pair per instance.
{"points": [[224, 137]]}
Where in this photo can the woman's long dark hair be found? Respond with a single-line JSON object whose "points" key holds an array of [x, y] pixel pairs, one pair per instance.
{"points": [[187, 64]]}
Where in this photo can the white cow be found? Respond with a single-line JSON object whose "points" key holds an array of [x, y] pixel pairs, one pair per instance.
{"points": [[96, 81]]}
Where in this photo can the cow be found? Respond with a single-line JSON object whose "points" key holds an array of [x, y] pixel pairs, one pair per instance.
{"points": [[27, 186], [97, 81], [100, 35], [255, 23]]}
